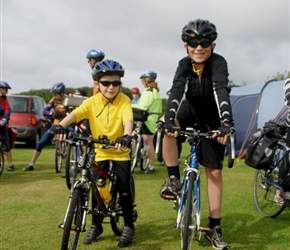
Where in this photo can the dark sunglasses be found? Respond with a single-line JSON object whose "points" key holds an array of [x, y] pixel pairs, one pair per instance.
{"points": [[108, 83], [204, 44]]}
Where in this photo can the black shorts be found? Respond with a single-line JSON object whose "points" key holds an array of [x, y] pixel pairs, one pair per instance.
{"points": [[211, 153], [145, 130]]}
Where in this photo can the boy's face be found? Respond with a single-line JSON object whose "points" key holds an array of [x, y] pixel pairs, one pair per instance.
{"points": [[201, 52], [110, 85], [3, 91]]}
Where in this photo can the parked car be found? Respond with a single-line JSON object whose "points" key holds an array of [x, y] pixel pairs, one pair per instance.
{"points": [[27, 118]]}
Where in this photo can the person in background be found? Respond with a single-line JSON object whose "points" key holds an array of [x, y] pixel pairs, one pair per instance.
{"points": [[202, 78], [136, 95], [110, 113], [58, 92], [150, 100], [93, 57], [5, 112]]}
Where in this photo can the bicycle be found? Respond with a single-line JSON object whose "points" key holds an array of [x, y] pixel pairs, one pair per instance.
{"points": [[139, 150], [188, 203], [267, 186], [1, 156], [78, 206], [74, 150]]}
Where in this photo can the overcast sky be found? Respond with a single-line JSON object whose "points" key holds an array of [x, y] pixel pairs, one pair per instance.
{"points": [[46, 41]]}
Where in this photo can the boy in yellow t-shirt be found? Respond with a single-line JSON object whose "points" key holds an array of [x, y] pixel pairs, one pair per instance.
{"points": [[109, 113]]}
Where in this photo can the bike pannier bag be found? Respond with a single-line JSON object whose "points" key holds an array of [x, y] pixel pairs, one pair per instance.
{"points": [[261, 148]]}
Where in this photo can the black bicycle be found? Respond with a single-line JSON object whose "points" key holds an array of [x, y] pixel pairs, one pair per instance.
{"points": [[139, 149], [1, 156], [78, 206], [269, 197]]}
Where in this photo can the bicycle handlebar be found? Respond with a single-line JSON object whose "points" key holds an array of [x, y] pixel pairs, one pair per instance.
{"points": [[194, 135]]}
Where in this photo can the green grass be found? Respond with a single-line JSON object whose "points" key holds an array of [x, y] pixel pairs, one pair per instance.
{"points": [[34, 203]]}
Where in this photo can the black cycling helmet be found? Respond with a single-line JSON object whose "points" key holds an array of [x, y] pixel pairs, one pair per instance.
{"points": [[96, 54], [107, 67], [199, 29], [4, 85], [151, 74], [57, 88]]}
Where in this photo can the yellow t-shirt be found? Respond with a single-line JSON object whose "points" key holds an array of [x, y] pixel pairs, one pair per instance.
{"points": [[107, 119]]}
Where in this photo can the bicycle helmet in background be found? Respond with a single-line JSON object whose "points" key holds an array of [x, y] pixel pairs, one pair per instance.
{"points": [[199, 29], [58, 88], [107, 67], [150, 74], [135, 91], [96, 54], [4, 85]]}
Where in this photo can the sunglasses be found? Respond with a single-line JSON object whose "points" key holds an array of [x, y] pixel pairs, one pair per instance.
{"points": [[108, 83], [203, 44]]}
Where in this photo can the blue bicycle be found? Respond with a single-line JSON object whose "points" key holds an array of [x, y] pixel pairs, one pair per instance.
{"points": [[189, 203]]}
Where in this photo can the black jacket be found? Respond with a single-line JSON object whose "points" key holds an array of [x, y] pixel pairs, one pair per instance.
{"points": [[208, 95]]}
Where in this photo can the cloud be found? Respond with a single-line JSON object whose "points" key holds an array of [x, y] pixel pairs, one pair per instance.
{"points": [[46, 42]]}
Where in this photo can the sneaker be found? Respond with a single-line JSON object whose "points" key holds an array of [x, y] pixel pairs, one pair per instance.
{"points": [[149, 171], [215, 236], [93, 233], [11, 168], [126, 237], [278, 198], [28, 168], [171, 188]]}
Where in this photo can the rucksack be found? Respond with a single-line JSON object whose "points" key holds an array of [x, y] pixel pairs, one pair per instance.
{"points": [[262, 146]]}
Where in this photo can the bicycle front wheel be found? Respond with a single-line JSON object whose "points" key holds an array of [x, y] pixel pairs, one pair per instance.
{"points": [[60, 155], [188, 219], [73, 223], [144, 159], [71, 165], [1, 161]]}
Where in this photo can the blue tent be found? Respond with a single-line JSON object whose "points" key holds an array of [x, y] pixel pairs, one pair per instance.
{"points": [[254, 105]]}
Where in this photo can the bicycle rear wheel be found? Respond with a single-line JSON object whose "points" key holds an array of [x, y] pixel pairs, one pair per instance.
{"points": [[60, 155], [188, 219], [134, 154], [1, 161], [71, 166], [265, 193], [73, 223]]}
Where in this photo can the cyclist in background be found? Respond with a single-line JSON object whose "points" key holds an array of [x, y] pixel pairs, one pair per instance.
{"points": [[93, 57], [203, 77], [150, 100], [5, 112], [110, 113], [58, 92], [136, 95]]}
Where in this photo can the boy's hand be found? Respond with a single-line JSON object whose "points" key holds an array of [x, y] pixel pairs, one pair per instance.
{"points": [[123, 141]]}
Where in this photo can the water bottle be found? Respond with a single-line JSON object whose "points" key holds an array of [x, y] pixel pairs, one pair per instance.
{"points": [[103, 187]]}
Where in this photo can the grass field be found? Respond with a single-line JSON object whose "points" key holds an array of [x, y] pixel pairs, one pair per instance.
{"points": [[34, 203]]}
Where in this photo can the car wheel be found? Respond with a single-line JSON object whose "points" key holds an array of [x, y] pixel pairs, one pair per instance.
{"points": [[33, 143]]}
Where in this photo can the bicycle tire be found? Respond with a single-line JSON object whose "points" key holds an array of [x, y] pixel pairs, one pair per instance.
{"points": [[60, 155], [134, 154], [73, 222], [117, 221], [264, 192], [1, 161], [71, 165], [144, 159], [188, 219]]}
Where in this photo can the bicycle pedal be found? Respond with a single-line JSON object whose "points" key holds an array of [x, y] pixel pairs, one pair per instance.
{"points": [[168, 197]]}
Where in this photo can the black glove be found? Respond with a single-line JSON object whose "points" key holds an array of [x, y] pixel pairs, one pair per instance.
{"points": [[288, 137], [224, 130], [58, 130], [169, 127], [124, 140]]}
